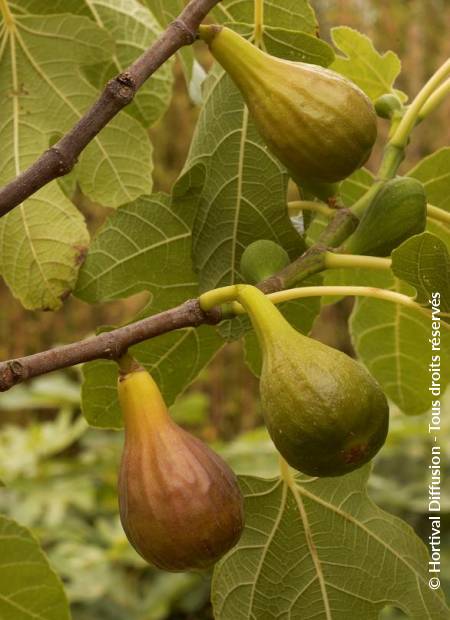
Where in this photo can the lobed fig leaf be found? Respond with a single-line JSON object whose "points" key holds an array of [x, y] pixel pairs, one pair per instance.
{"points": [[398, 211], [320, 125], [180, 503], [325, 413]]}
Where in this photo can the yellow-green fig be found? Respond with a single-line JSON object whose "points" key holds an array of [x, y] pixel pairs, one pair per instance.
{"points": [[180, 503], [320, 125], [325, 413]]}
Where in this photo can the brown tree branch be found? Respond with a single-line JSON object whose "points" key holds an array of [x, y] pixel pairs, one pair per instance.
{"points": [[108, 345], [113, 344], [119, 92]]}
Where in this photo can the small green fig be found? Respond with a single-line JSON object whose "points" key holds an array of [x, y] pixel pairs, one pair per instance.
{"points": [[180, 503], [320, 125], [325, 413], [398, 211], [261, 259], [387, 105]]}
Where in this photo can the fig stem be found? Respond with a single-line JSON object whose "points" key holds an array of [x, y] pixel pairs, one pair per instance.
{"points": [[208, 32], [259, 22], [337, 261], [217, 296], [400, 138], [285, 472], [261, 310], [7, 15], [428, 98], [333, 291], [435, 213], [243, 296], [296, 206], [128, 364], [435, 100]]}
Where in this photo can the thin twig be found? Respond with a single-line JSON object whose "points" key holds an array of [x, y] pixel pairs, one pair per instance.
{"points": [[59, 160], [108, 345], [113, 344]]}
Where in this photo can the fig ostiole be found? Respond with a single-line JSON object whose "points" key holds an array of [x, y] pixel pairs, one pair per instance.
{"points": [[319, 124], [180, 503], [325, 413]]}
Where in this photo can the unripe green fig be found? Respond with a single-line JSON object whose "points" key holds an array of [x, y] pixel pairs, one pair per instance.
{"points": [[180, 503], [398, 211], [325, 413], [320, 125], [261, 259], [387, 105]]}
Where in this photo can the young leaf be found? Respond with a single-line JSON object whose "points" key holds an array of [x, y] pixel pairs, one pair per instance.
{"points": [[320, 548], [29, 588], [424, 262], [374, 73]]}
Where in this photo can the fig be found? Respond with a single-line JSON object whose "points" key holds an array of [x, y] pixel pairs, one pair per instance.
{"points": [[180, 503], [398, 211], [325, 413], [320, 125], [261, 259], [387, 105]]}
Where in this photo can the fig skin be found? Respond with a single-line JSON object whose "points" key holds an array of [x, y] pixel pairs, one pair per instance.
{"points": [[325, 413], [261, 259], [320, 125], [180, 503], [397, 212]]}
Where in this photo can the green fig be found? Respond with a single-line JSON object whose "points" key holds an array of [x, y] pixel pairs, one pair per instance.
{"points": [[325, 413], [320, 125], [387, 105], [180, 503], [261, 259], [398, 211]]}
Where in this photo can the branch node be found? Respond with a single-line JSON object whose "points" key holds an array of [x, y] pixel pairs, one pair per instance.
{"points": [[114, 348], [122, 88], [12, 372], [64, 164], [188, 35]]}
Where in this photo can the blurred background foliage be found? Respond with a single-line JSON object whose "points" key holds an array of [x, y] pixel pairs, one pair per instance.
{"points": [[60, 475], [60, 479]]}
